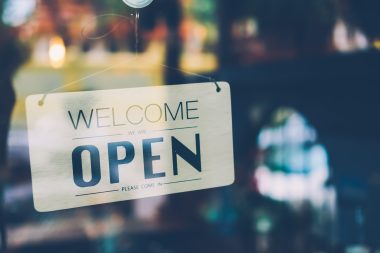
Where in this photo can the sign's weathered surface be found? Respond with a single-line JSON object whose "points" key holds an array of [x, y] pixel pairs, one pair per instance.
{"points": [[104, 146]]}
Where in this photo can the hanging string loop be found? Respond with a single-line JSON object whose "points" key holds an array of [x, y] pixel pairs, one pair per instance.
{"points": [[136, 16]]}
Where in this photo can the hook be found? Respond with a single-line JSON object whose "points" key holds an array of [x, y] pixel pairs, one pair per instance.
{"points": [[218, 89]]}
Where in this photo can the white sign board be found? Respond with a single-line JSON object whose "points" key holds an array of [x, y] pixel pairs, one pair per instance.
{"points": [[96, 147]]}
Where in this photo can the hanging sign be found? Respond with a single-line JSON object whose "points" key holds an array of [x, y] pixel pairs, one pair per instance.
{"points": [[96, 147]]}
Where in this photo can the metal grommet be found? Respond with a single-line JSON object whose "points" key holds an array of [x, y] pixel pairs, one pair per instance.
{"points": [[138, 3]]}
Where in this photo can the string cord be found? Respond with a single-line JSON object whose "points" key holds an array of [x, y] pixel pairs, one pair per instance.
{"points": [[137, 16], [93, 20], [211, 79]]}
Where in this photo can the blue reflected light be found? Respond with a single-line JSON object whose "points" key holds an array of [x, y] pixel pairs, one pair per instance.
{"points": [[17, 12]]}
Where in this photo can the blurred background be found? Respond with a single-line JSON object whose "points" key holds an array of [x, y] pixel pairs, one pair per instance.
{"points": [[304, 76]]}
